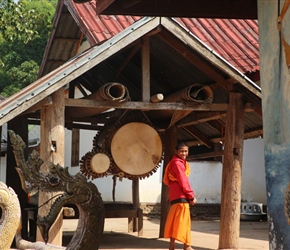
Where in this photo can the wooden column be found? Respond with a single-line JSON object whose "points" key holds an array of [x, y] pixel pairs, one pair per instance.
{"points": [[146, 69], [20, 126], [52, 136], [232, 174], [275, 82], [75, 147], [136, 201], [171, 139]]}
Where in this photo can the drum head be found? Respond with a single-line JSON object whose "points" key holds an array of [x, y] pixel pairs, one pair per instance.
{"points": [[136, 148], [100, 163]]}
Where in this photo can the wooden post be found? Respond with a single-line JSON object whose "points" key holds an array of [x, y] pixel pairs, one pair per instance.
{"points": [[171, 138], [232, 174], [274, 30], [52, 150], [146, 69], [20, 126], [75, 147], [136, 201]]}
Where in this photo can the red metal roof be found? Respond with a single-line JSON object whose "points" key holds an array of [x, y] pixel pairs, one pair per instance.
{"points": [[98, 28], [235, 40]]}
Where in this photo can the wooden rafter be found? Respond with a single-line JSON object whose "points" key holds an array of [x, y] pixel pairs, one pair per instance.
{"points": [[194, 59], [255, 133], [198, 135], [205, 155], [133, 51], [200, 117]]}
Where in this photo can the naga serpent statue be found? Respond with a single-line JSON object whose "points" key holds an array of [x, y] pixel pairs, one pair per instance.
{"points": [[74, 190], [11, 214]]}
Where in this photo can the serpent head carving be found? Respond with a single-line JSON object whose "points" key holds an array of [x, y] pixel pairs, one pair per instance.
{"points": [[71, 189]]}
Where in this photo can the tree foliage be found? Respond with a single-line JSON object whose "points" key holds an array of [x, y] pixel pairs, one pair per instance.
{"points": [[16, 23], [24, 30]]}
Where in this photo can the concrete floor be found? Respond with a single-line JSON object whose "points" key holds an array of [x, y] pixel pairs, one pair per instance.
{"points": [[205, 235]]}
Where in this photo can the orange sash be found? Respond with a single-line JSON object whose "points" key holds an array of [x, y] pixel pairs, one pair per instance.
{"points": [[170, 177]]}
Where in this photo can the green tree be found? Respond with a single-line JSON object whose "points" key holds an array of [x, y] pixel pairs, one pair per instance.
{"points": [[17, 23], [24, 30]]}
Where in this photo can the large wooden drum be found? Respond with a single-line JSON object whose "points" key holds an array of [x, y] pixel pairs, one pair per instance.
{"points": [[136, 148], [96, 163], [100, 163]]}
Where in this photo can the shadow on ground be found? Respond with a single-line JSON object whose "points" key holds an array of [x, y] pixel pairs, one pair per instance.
{"points": [[113, 240]]}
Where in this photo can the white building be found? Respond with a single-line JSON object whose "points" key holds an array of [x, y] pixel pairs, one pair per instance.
{"points": [[205, 177]]}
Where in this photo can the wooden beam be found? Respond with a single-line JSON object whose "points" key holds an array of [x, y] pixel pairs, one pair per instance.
{"points": [[157, 98], [198, 135], [258, 132], [205, 155], [33, 121], [85, 103], [73, 125], [217, 124], [232, 174], [100, 118], [255, 133], [200, 117]]}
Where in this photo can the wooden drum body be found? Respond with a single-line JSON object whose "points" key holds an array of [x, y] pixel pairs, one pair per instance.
{"points": [[136, 149]]}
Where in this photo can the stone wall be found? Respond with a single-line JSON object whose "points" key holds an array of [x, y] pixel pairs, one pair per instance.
{"points": [[198, 211]]}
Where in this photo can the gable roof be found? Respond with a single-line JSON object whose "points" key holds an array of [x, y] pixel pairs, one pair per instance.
{"points": [[177, 58], [236, 40], [62, 75]]}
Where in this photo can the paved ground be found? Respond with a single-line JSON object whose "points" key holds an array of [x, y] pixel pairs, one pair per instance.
{"points": [[205, 235]]}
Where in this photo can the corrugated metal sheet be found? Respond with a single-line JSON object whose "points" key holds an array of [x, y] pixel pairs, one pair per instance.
{"points": [[236, 40], [64, 41], [98, 29]]}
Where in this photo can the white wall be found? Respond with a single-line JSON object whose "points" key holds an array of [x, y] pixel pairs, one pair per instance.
{"points": [[254, 178], [205, 177], [3, 169]]}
